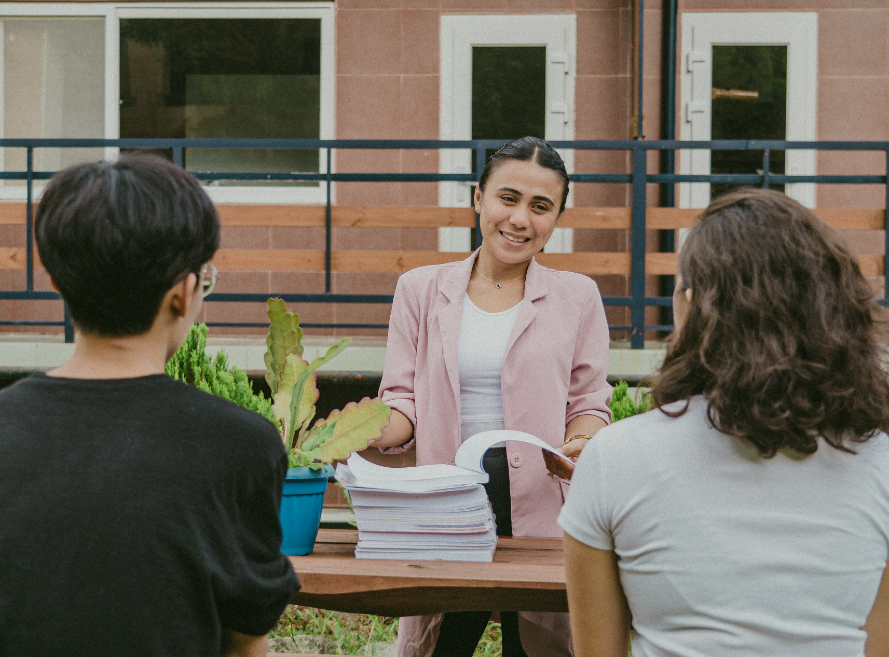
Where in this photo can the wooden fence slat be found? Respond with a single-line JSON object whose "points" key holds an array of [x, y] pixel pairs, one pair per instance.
{"points": [[671, 218], [599, 218], [591, 264], [871, 265], [432, 217], [852, 219], [661, 264]]}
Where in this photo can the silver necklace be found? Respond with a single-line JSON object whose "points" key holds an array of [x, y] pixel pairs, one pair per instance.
{"points": [[496, 284]]}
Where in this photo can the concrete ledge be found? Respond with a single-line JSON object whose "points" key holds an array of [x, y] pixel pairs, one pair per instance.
{"points": [[28, 353]]}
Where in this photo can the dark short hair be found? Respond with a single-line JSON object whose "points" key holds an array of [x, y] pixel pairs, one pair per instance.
{"points": [[528, 149], [781, 333], [115, 236]]}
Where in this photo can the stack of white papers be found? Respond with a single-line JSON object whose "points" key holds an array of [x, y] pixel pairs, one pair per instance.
{"points": [[427, 512]]}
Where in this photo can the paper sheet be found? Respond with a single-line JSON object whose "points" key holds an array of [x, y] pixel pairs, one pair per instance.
{"points": [[472, 453]]}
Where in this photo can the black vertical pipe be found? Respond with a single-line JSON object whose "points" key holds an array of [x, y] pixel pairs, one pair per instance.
{"points": [[886, 235], [29, 223], [641, 70], [668, 131], [328, 228], [668, 103], [637, 249]]}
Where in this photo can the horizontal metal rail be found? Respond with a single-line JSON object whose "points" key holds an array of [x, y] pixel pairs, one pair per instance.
{"points": [[638, 178]]}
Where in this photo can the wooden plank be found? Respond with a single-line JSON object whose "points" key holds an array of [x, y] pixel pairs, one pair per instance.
{"points": [[871, 265], [271, 215], [13, 213], [415, 217], [599, 218], [671, 218], [369, 261], [661, 264], [526, 575], [852, 219], [345, 216], [591, 264]]}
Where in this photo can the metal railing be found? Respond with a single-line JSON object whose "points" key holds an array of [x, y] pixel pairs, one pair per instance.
{"points": [[638, 178]]}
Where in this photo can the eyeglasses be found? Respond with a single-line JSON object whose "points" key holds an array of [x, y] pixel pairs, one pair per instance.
{"points": [[206, 278]]}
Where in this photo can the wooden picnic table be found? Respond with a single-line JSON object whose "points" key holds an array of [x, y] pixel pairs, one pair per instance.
{"points": [[527, 574]]}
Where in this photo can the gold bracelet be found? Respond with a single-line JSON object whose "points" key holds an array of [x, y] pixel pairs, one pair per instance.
{"points": [[577, 436]]}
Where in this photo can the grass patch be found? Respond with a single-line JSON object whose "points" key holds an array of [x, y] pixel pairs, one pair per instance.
{"points": [[352, 632]]}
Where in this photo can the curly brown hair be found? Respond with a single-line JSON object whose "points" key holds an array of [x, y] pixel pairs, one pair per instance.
{"points": [[780, 335]]}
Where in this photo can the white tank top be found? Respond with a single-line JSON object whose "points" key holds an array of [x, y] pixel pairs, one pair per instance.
{"points": [[481, 349]]}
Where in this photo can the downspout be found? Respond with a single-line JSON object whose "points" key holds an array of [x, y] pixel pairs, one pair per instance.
{"points": [[668, 132]]}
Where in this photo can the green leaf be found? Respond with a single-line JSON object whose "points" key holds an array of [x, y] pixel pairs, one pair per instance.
{"points": [[304, 376], [353, 427], [284, 338], [292, 413]]}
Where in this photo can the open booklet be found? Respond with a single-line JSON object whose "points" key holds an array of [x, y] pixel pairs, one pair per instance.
{"points": [[359, 473]]}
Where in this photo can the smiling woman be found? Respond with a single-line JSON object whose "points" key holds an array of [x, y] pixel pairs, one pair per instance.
{"points": [[463, 338]]}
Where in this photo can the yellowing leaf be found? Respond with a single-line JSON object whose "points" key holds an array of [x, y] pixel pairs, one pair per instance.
{"points": [[284, 338], [290, 416], [356, 425]]}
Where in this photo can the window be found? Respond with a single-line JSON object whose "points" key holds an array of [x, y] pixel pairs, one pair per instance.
{"points": [[79, 70], [492, 63], [224, 78], [53, 87]]}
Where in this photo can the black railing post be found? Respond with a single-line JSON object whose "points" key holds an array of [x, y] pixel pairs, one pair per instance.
{"points": [[29, 222], [178, 157], [766, 165], [480, 158], [69, 326], [328, 228], [637, 248]]}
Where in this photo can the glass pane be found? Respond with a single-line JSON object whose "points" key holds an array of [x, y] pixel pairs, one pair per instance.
{"points": [[508, 95], [222, 78], [749, 102], [53, 87], [508, 92]]}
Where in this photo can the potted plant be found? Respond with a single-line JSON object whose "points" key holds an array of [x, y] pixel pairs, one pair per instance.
{"points": [[292, 381]]}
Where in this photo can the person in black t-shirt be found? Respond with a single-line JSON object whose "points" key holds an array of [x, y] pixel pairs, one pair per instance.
{"points": [[138, 515]]}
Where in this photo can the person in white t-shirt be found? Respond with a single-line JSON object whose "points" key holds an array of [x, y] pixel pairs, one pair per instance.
{"points": [[748, 514]]}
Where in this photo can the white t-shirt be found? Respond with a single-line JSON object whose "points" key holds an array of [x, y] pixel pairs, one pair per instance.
{"points": [[723, 553], [481, 348]]}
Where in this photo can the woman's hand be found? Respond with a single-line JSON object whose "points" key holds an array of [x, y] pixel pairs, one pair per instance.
{"points": [[558, 467], [397, 432], [585, 425]]}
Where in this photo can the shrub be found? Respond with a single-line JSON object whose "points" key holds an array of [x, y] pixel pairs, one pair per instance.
{"points": [[194, 366]]}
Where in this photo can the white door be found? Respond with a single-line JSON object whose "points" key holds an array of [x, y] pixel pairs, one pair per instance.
{"points": [[788, 38], [460, 35]]}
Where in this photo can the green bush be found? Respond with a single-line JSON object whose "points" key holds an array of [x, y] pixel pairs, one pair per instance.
{"points": [[194, 366], [623, 406]]}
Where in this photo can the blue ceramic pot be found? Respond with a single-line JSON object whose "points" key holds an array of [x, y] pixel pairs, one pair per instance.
{"points": [[301, 508]]}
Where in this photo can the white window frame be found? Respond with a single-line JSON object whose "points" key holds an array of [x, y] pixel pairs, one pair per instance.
{"points": [[114, 12], [558, 33], [700, 31]]}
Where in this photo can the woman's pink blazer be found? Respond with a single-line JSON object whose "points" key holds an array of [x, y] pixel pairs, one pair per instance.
{"points": [[554, 370]]}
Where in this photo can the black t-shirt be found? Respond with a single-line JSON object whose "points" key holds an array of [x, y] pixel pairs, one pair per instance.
{"points": [[137, 517]]}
